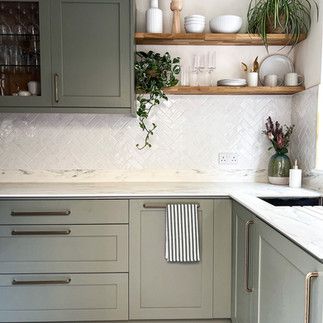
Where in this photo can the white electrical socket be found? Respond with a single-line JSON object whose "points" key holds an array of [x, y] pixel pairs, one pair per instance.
{"points": [[228, 159]]}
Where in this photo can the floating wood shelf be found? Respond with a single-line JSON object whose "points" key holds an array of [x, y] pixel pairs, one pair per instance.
{"points": [[212, 39], [227, 90]]}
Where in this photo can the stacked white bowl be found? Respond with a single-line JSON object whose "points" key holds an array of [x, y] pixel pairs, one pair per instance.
{"points": [[194, 24]]}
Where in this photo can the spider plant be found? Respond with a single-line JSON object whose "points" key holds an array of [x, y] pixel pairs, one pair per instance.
{"points": [[281, 16]]}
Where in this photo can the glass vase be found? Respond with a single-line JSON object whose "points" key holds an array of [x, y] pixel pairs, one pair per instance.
{"points": [[278, 169]]}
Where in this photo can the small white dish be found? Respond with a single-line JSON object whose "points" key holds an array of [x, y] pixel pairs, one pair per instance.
{"points": [[24, 93], [277, 64], [232, 82], [195, 17], [194, 28], [227, 24]]}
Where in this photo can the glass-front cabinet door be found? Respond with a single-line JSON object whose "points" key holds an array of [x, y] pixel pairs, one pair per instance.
{"points": [[25, 67]]}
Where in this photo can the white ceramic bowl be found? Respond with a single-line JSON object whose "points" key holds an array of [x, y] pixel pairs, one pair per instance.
{"points": [[195, 17], [227, 24], [194, 27], [194, 20]]}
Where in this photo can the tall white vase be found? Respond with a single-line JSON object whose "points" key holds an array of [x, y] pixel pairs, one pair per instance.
{"points": [[154, 18]]}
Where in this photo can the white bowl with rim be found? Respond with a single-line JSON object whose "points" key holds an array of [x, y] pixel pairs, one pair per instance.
{"points": [[226, 24], [194, 27]]}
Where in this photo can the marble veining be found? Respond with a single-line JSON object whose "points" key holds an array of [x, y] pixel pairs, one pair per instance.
{"points": [[300, 226]]}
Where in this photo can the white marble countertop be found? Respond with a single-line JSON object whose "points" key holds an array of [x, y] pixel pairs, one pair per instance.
{"points": [[302, 225]]}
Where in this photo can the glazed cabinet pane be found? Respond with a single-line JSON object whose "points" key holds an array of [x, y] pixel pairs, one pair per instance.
{"points": [[159, 289], [243, 243], [92, 53], [25, 65]]}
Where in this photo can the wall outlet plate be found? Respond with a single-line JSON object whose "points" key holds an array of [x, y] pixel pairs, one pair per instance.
{"points": [[228, 158]]}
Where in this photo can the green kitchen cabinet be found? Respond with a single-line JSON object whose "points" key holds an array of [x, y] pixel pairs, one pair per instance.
{"points": [[273, 279], [92, 53], [159, 289], [243, 242], [284, 271], [25, 57]]}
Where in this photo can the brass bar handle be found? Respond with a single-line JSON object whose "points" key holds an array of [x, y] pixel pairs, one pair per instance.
{"points": [[160, 206], [41, 282], [54, 213], [247, 256], [307, 310], [40, 232], [56, 79]]}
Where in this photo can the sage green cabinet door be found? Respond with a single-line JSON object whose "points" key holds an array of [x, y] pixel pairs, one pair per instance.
{"points": [[162, 290], [281, 268], [16, 77], [92, 53], [243, 242]]}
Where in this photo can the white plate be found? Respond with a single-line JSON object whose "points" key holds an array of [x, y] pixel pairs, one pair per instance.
{"points": [[275, 64], [232, 82]]}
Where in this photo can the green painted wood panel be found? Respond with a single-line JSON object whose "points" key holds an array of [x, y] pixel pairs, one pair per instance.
{"points": [[241, 308], [281, 268], [23, 104], [92, 53], [162, 290], [87, 248], [87, 297]]}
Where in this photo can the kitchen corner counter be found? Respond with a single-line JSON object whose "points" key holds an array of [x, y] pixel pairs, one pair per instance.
{"points": [[302, 226]]}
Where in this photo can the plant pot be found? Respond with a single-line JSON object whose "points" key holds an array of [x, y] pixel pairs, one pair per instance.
{"points": [[278, 169], [270, 26]]}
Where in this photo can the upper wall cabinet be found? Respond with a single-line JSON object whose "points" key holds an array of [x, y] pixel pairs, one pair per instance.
{"points": [[74, 55], [92, 53], [25, 53]]}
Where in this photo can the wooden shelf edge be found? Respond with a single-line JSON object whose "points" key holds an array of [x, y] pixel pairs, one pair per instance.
{"points": [[212, 39], [229, 90]]}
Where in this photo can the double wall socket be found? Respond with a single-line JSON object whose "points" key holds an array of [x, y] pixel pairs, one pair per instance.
{"points": [[228, 159]]}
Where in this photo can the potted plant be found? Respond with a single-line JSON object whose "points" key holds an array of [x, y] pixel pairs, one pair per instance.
{"points": [[279, 163], [281, 17], [153, 73]]}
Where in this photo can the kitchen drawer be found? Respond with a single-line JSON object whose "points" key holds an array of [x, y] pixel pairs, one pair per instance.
{"points": [[68, 248], [76, 297], [63, 211]]}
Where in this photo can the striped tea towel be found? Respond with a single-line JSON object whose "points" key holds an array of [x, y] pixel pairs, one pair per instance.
{"points": [[182, 233]]}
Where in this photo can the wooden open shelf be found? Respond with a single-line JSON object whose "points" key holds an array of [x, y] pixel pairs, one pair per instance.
{"points": [[212, 39], [227, 90]]}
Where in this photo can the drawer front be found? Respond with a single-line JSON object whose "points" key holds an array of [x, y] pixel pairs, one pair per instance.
{"points": [[64, 212], [47, 298], [68, 248]]}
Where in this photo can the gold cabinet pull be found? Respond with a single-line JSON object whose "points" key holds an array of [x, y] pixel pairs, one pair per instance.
{"points": [[54, 213], [56, 79], [247, 256], [40, 232], [42, 282], [308, 281]]}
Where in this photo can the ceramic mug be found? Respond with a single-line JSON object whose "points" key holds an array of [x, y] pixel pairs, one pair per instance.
{"points": [[34, 87], [252, 79], [293, 79], [272, 80]]}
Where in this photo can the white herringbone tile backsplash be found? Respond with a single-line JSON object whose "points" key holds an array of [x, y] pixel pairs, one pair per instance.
{"points": [[192, 131]]}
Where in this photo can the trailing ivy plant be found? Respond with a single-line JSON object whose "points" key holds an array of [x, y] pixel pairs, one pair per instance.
{"points": [[153, 73]]}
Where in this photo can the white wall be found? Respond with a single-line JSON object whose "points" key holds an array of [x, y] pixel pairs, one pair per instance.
{"points": [[308, 54], [208, 8]]}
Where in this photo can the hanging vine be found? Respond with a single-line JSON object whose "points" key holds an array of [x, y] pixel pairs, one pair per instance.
{"points": [[153, 73]]}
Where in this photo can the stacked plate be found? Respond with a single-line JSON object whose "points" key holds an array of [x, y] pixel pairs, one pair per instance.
{"points": [[194, 24], [232, 82]]}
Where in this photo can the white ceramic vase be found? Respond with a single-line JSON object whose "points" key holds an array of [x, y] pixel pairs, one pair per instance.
{"points": [[154, 18], [252, 79]]}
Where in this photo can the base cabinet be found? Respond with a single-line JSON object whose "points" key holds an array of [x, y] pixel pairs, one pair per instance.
{"points": [[243, 235], [282, 270], [273, 280], [162, 290]]}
